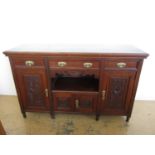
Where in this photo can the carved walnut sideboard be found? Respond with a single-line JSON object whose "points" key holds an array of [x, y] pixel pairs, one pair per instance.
{"points": [[95, 80]]}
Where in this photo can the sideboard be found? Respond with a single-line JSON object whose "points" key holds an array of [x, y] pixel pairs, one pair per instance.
{"points": [[87, 80]]}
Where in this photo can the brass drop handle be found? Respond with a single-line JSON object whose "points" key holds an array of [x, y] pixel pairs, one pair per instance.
{"points": [[87, 64], [77, 103], [46, 92], [29, 63], [103, 95], [62, 63], [121, 64]]}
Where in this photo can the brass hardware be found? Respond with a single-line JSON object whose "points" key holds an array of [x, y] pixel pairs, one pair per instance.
{"points": [[121, 64], [62, 63], [29, 63], [77, 103], [103, 95], [87, 64], [46, 92]]}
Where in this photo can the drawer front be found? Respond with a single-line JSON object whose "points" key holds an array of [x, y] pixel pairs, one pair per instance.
{"points": [[120, 64], [71, 64], [28, 62]]}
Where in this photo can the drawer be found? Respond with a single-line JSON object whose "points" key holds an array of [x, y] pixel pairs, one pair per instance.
{"points": [[70, 64], [28, 62], [120, 64]]}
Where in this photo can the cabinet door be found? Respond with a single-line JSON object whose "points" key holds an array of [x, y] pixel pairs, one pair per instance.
{"points": [[116, 91], [63, 101], [32, 84], [85, 102]]}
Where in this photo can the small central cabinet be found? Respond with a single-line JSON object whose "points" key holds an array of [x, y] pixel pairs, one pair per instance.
{"points": [[80, 102]]}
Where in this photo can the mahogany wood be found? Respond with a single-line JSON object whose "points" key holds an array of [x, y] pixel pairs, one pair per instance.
{"points": [[44, 86]]}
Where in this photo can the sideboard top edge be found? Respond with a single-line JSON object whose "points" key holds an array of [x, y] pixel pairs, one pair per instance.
{"points": [[96, 54]]}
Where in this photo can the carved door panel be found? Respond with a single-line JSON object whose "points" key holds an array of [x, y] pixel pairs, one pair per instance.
{"points": [[116, 91], [63, 101], [85, 102], [33, 89]]}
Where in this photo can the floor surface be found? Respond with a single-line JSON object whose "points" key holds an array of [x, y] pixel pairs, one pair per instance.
{"points": [[141, 122]]}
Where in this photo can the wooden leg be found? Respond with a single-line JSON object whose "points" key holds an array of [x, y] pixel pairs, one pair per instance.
{"points": [[97, 117], [24, 114], [52, 115], [127, 118]]}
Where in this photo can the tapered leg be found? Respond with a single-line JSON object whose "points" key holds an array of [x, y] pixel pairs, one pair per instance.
{"points": [[97, 117], [127, 118], [24, 114], [52, 115]]}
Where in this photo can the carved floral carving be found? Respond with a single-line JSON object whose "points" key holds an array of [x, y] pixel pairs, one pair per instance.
{"points": [[33, 88], [117, 92]]}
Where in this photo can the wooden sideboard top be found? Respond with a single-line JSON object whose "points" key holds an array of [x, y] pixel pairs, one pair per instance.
{"points": [[96, 50]]}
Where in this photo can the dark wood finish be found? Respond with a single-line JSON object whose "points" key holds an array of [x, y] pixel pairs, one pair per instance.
{"points": [[87, 102], [74, 63], [75, 101], [33, 84], [133, 94], [63, 101], [44, 86], [130, 64], [38, 62], [118, 86]]}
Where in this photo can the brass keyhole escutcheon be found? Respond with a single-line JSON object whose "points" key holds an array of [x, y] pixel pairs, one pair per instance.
{"points": [[77, 103]]}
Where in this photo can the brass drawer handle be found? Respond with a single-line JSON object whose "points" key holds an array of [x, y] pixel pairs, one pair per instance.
{"points": [[121, 64], [87, 64], [62, 63], [29, 63]]}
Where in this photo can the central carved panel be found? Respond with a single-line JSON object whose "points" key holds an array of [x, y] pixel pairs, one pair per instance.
{"points": [[117, 92], [35, 95], [63, 103], [85, 103]]}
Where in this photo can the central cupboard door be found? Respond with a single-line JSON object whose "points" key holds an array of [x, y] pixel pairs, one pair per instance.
{"points": [[63, 101], [75, 102], [85, 103]]}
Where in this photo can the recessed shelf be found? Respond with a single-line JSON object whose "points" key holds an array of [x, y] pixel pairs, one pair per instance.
{"points": [[75, 84]]}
